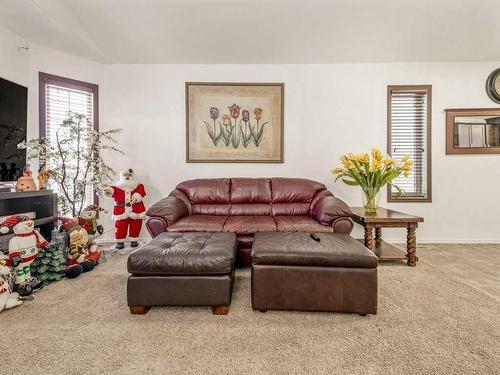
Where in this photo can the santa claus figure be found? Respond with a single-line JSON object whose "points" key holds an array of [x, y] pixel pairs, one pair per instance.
{"points": [[129, 210], [23, 250]]}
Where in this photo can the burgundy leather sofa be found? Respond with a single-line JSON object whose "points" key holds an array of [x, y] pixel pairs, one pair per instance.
{"points": [[248, 205]]}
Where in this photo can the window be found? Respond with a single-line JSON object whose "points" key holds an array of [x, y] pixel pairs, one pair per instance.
{"points": [[58, 97], [409, 133]]}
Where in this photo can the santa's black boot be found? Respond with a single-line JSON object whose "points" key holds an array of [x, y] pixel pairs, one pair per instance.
{"points": [[73, 271], [134, 243], [35, 284], [87, 265], [23, 289], [120, 245]]}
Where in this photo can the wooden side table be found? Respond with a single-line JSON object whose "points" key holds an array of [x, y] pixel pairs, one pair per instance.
{"points": [[386, 218]]}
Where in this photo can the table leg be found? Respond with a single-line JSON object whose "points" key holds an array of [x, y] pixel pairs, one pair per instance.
{"points": [[378, 237], [411, 245], [368, 236]]}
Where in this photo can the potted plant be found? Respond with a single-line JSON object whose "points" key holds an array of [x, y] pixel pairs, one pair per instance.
{"points": [[371, 172], [75, 161]]}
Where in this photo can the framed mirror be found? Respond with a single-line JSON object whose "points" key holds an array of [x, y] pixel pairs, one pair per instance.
{"points": [[493, 86], [473, 131]]}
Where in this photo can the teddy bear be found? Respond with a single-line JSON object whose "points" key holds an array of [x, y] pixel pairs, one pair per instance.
{"points": [[8, 300], [83, 254]]}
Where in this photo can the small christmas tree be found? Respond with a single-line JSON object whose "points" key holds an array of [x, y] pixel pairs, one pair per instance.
{"points": [[50, 264]]}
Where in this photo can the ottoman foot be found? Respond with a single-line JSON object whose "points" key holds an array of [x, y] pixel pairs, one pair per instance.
{"points": [[220, 310], [263, 311], [139, 310]]}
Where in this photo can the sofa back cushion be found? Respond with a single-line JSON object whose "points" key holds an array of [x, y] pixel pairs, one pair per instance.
{"points": [[209, 196], [252, 196]]}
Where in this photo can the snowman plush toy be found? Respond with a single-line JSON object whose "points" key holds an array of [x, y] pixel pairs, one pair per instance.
{"points": [[8, 300], [23, 250]]}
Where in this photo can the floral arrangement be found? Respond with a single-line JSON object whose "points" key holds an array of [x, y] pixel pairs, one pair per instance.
{"points": [[371, 172], [242, 131]]}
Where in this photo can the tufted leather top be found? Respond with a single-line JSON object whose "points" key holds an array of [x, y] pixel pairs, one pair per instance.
{"points": [[299, 249], [185, 254]]}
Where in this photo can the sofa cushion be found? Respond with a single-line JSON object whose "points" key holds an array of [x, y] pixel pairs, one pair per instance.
{"points": [[185, 254], [295, 209], [289, 190], [252, 209], [199, 223], [299, 249], [249, 224], [250, 190], [300, 224], [211, 209], [208, 190]]}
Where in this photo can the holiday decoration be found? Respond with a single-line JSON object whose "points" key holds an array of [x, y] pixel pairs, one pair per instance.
{"points": [[128, 211], [26, 181], [27, 170], [43, 177], [83, 254], [74, 160], [88, 220], [23, 250], [8, 300], [50, 264]]}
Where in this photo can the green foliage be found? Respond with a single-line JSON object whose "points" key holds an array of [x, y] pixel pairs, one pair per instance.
{"points": [[75, 161], [50, 264]]}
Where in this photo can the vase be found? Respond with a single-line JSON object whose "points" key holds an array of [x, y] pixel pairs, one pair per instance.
{"points": [[370, 199]]}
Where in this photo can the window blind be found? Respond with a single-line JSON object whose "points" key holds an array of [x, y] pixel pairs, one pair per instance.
{"points": [[60, 102], [409, 130]]}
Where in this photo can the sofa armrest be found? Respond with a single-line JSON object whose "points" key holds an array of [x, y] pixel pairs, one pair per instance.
{"points": [[329, 210], [170, 209]]}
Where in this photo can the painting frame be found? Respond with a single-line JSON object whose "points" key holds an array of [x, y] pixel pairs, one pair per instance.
{"points": [[280, 146]]}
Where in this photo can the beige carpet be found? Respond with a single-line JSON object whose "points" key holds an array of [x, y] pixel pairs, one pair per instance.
{"points": [[441, 317]]}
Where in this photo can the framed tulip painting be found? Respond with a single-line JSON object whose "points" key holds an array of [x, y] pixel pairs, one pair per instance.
{"points": [[234, 122]]}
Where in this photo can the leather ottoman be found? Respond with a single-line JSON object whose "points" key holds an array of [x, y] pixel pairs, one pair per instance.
{"points": [[182, 269], [291, 271]]}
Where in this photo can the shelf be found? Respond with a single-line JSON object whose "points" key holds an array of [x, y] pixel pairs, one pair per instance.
{"points": [[24, 194]]}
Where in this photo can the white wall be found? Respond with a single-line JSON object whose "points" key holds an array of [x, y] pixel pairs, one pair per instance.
{"points": [[14, 63], [329, 110]]}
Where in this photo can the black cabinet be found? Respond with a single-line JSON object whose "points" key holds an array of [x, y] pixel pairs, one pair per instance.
{"points": [[42, 203]]}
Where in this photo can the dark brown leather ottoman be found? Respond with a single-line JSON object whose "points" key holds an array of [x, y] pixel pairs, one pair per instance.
{"points": [[182, 269], [291, 271]]}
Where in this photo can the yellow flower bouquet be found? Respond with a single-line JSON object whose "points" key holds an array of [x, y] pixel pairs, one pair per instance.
{"points": [[371, 172]]}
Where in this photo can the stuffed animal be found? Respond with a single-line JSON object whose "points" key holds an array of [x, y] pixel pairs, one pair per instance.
{"points": [[88, 220], [8, 300], [23, 250], [83, 254]]}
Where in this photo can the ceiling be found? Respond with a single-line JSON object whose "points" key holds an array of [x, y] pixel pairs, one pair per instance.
{"points": [[261, 31]]}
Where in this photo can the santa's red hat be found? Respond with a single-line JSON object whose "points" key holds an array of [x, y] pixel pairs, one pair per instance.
{"points": [[11, 221]]}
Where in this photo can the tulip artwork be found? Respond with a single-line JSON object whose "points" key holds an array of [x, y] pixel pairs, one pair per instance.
{"points": [[235, 130], [234, 122]]}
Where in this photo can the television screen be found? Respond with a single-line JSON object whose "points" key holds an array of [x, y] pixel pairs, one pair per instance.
{"points": [[13, 122]]}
